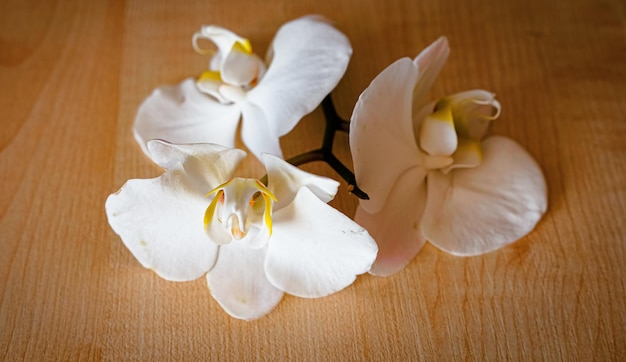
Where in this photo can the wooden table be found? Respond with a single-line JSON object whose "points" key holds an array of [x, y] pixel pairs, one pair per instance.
{"points": [[72, 74]]}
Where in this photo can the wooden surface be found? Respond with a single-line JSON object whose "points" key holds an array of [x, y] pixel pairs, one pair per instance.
{"points": [[72, 74]]}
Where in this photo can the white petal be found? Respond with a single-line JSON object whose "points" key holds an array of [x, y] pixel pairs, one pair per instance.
{"points": [[160, 222], [284, 180], [308, 58], [475, 210], [316, 250], [381, 126], [396, 227], [211, 87], [468, 154], [212, 224], [182, 114], [429, 63], [223, 39], [207, 165], [256, 133], [238, 282]]}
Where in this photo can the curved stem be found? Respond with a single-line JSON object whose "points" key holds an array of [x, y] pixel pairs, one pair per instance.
{"points": [[334, 123]]}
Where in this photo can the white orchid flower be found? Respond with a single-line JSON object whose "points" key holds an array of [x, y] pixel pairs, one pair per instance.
{"points": [[256, 242], [305, 61], [430, 173]]}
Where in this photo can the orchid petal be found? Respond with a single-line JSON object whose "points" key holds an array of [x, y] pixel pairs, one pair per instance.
{"points": [[206, 165], [308, 58], [182, 114], [284, 180], [160, 222], [210, 82], [212, 226], [476, 210], [316, 250], [256, 133], [396, 227], [473, 112], [429, 64], [224, 39], [238, 282], [381, 125], [469, 153], [260, 228]]}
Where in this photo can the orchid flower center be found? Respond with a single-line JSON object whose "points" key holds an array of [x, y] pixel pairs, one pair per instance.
{"points": [[234, 68], [239, 206], [451, 134]]}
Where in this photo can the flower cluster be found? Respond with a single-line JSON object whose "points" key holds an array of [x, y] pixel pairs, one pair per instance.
{"points": [[428, 168]]}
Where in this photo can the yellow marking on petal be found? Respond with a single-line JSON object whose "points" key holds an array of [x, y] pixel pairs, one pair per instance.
{"points": [[210, 75], [218, 188], [443, 111], [243, 46], [210, 211], [265, 190], [267, 214], [469, 152]]}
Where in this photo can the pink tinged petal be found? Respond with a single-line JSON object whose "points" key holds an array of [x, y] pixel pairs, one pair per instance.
{"points": [[256, 133], [308, 58], [429, 64], [381, 125], [238, 282], [316, 250], [476, 210], [206, 165], [396, 227], [473, 112], [182, 114], [284, 180], [160, 222]]}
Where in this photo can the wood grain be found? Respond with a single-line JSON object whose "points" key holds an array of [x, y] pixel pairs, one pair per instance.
{"points": [[72, 74]]}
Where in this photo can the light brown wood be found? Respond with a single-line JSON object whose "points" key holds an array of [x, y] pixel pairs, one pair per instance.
{"points": [[72, 74]]}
